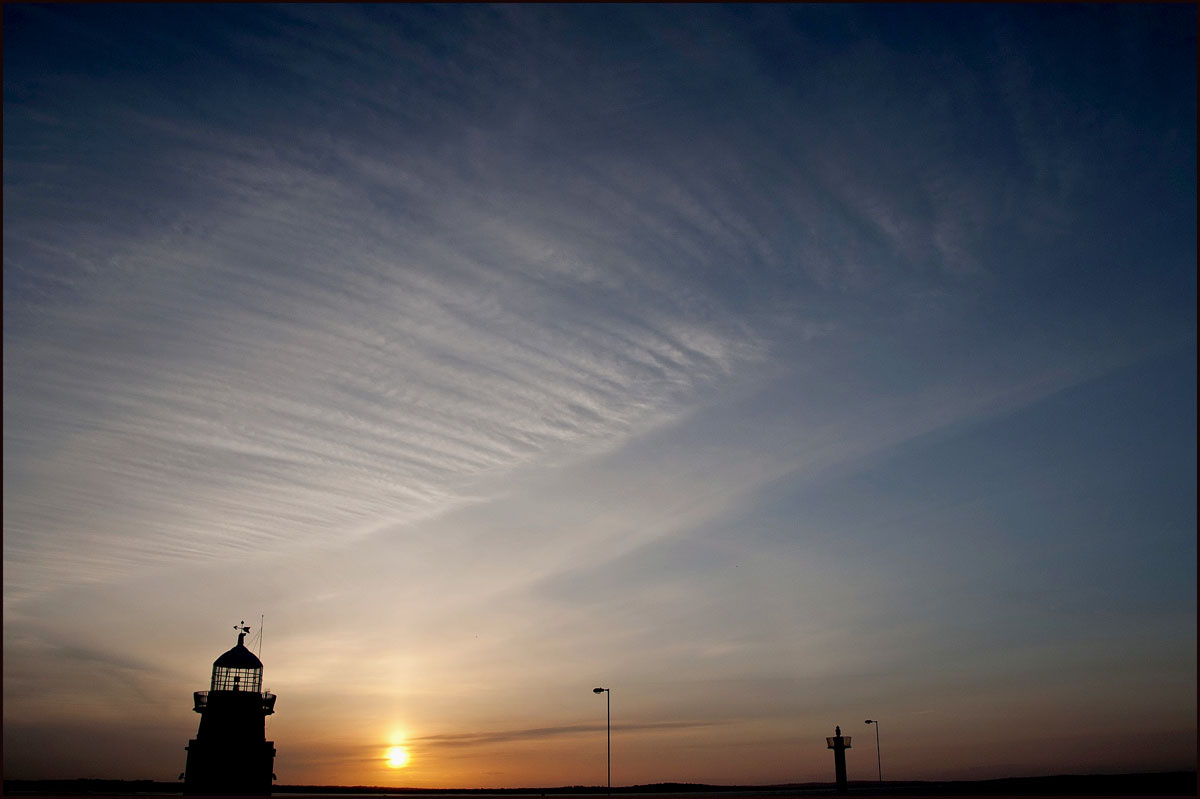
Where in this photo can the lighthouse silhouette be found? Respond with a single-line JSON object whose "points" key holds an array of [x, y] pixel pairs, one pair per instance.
{"points": [[230, 755], [839, 745]]}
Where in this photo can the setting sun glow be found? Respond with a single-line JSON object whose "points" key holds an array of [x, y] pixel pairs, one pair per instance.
{"points": [[397, 757]]}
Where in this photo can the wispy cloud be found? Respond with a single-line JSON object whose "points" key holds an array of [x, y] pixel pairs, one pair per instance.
{"points": [[264, 366], [538, 733], [336, 331]]}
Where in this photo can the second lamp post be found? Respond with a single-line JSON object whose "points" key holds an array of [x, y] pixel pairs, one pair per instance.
{"points": [[608, 724], [878, 761]]}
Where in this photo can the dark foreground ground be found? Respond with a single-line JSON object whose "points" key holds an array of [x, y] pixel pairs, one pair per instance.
{"points": [[1177, 783]]}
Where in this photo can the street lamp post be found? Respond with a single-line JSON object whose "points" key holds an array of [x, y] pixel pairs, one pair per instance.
{"points": [[608, 725], [878, 761]]}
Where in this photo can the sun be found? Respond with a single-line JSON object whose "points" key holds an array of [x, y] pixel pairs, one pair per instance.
{"points": [[397, 757]]}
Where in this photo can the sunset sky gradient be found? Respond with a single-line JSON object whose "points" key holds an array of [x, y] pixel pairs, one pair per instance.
{"points": [[778, 367]]}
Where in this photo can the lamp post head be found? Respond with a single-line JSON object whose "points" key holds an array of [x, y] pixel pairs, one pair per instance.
{"points": [[599, 690], [869, 721]]}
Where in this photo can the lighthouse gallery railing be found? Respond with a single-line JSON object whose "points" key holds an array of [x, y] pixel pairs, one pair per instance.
{"points": [[266, 697]]}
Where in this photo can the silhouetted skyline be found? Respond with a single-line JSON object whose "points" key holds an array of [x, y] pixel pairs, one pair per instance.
{"points": [[778, 366]]}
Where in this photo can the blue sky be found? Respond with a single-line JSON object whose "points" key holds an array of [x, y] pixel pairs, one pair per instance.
{"points": [[782, 366]]}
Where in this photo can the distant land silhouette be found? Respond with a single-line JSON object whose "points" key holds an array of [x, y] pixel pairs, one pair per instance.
{"points": [[1172, 783]]}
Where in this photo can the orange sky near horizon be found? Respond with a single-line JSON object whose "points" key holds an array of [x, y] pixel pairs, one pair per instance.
{"points": [[743, 754], [562, 742]]}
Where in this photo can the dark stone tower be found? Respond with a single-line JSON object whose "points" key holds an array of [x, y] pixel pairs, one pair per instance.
{"points": [[839, 745], [230, 755]]}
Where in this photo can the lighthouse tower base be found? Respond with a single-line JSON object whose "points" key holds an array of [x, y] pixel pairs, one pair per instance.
{"points": [[214, 770]]}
